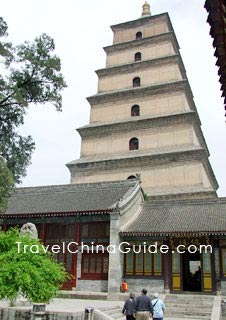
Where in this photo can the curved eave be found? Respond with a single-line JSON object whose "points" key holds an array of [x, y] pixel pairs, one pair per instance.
{"points": [[217, 20], [56, 214], [173, 233], [123, 202]]}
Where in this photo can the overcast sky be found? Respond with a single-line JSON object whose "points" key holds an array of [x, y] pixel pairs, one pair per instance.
{"points": [[80, 29]]}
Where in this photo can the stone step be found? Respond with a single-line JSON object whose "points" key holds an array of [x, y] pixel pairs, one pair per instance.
{"points": [[169, 318], [190, 298], [190, 295], [193, 310], [115, 313], [178, 307], [112, 310], [184, 311], [187, 315], [188, 305]]}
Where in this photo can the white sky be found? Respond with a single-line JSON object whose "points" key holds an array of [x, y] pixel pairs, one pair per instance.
{"points": [[80, 29]]}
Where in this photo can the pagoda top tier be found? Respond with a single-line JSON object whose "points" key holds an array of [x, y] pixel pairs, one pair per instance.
{"points": [[146, 9]]}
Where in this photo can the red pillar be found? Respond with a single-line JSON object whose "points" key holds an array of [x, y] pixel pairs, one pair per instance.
{"points": [[167, 269]]}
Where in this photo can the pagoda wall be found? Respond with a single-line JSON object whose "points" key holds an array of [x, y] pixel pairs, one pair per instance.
{"points": [[158, 104], [157, 179], [150, 139], [155, 27], [172, 157], [151, 75], [148, 51]]}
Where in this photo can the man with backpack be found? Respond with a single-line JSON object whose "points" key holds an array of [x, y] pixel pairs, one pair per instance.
{"points": [[158, 307]]}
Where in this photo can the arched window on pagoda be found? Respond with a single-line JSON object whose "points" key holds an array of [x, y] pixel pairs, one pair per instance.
{"points": [[137, 56], [136, 82], [139, 35], [135, 111], [134, 144]]}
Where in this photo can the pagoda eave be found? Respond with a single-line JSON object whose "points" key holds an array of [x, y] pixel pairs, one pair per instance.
{"points": [[179, 85], [135, 123], [135, 66], [149, 40], [139, 22]]}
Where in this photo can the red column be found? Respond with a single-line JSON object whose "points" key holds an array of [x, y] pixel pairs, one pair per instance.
{"points": [[77, 240], [167, 265]]}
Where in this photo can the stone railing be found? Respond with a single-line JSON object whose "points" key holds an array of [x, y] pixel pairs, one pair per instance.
{"points": [[22, 314]]}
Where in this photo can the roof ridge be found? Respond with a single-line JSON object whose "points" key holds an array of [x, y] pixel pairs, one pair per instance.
{"points": [[179, 202], [75, 187]]}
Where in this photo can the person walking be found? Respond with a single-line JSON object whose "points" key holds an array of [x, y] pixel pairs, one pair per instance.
{"points": [[129, 307], [143, 306], [158, 307]]}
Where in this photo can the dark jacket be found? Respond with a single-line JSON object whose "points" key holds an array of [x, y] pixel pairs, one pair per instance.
{"points": [[129, 307], [143, 303]]}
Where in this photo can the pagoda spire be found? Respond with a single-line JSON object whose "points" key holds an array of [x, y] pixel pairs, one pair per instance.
{"points": [[146, 9]]}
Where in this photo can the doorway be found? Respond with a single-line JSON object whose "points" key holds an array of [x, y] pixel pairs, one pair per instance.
{"points": [[191, 272]]}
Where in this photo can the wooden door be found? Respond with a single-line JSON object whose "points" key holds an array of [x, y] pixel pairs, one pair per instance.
{"points": [[207, 272], [176, 271], [62, 234]]}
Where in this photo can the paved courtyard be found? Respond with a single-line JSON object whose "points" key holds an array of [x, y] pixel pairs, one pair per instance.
{"points": [[69, 305]]}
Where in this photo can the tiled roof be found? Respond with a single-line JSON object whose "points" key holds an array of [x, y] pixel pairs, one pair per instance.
{"points": [[69, 198], [141, 21], [180, 217]]}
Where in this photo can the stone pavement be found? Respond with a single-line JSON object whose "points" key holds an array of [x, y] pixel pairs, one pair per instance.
{"points": [[179, 307], [68, 305]]}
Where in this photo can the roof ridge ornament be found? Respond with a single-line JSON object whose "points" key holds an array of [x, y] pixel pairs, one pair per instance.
{"points": [[146, 9]]}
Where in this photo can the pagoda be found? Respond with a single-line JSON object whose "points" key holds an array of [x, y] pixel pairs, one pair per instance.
{"points": [[143, 119]]}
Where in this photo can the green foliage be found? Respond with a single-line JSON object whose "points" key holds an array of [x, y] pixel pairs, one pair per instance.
{"points": [[37, 276], [6, 185], [30, 75]]}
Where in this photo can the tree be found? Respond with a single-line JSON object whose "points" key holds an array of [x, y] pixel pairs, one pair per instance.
{"points": [[36, 276], [30, 75], [6, 184]]}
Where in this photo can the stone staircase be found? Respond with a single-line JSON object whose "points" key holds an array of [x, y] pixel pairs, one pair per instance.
{"points": [[178, 307], [192, 307], [109, 314]]}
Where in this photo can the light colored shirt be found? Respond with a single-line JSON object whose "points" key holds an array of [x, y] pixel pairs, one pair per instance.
{"points": [[158, 308]]}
